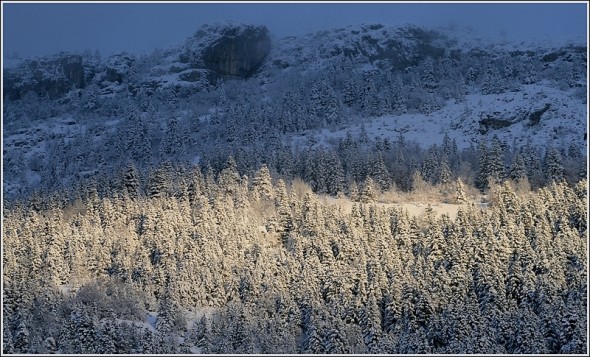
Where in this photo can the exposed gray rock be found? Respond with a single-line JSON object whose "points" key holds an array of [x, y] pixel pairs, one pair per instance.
{"points": [[553, 56], [228, 49], [497, 120], [535, 117], [51, 77], [492, 121]]}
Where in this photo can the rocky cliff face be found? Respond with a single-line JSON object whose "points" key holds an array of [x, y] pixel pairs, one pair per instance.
{"points": [[228, 49], [52, 77], [238, 52]]}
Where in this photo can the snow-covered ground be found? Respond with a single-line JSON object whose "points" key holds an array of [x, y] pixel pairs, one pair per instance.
{"points": [[563, 123], [413, 209]]}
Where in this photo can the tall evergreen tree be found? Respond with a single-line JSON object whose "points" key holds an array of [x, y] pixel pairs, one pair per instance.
{"points": [[262, 184], [131, 181], [368, 192], [553, 165], [444, 176], [517, 169], [379, 172], [158, 182], [495, 161]]}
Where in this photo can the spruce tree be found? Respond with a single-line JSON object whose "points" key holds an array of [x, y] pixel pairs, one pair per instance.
{"points": [[444, 176], [379, 172], [553, 165], [495, 161], [517, 169], [131, 181], [335, 174], [158, 182], [460, 195], [262, 184], [368, 192], [481, 181]]}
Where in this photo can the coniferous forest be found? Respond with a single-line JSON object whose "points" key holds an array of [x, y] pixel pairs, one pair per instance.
{"points": [[231, 265], [152, 206]]}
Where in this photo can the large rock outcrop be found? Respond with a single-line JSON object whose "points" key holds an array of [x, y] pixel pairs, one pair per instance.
{"points": [[497, 120], [52, 77], [228, 49]]}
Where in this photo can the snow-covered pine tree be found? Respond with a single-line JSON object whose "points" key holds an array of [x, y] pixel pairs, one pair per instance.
{"points": [[533, 166], [285, 219], [517, 169], [368, 192], [398, 95], [379, 172], [131, 181], [335, 173], [483, 172], [495, 161], [444, 176], [460, 195], [262, 184], [553, 165], [158, 182]]}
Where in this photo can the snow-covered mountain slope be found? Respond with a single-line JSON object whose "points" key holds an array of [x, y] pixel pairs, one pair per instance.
{"points": [[232, 88], [562, 123]]}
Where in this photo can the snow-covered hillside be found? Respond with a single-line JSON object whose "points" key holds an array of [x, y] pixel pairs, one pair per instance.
{"points": [[563, 123], [227, 92], [370, 189]]}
